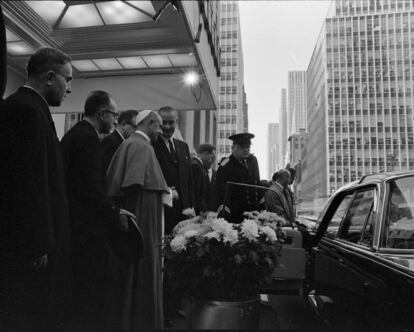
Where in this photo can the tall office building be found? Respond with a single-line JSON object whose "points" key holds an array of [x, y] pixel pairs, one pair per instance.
{"points": [[296, 116], [283, 129], [245, 112], [360, 95], [230, 111], [273, 147]]}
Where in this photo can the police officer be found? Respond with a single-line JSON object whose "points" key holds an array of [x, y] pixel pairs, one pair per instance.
{"points": [[240, 167]]}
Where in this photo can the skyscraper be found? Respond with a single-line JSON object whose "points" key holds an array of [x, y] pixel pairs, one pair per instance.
{"points": [[230, 112], [296, 116], [273, 147], [360, 95], [283, 129], [245, 112]]}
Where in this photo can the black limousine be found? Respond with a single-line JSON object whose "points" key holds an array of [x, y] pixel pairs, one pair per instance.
{"points": [[360, 271]]}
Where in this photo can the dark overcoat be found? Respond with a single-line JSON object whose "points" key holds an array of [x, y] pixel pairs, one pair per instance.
{"points": [[200, 185], [34, 216], [212, 200], [110, 144], [238, 199], [92, 215]]}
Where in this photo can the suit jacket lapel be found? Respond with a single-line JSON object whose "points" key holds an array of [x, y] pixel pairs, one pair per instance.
{"points": [[177, 150], [165, 150]]}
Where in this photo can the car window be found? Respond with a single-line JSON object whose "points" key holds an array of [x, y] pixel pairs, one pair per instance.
{"points": [[336, 219], [358, 214], [399, 228], [368, 233]]}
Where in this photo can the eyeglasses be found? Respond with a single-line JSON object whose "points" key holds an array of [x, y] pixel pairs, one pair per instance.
{"points": [[115, 114]]}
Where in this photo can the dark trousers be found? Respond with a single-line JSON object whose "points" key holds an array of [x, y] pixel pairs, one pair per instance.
{"points": [[172, 216], [24, 298], [90, 280]]}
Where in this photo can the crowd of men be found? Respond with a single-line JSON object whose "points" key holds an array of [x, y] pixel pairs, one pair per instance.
{"points": [[68, 209]]}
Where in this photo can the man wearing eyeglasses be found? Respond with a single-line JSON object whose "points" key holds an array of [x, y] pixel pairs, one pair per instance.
{"points": [[126, 127], [92, 214], [34, 223]]}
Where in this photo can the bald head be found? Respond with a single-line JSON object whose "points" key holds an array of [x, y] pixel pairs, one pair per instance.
{"points": [[282, 176], [151, 125]]}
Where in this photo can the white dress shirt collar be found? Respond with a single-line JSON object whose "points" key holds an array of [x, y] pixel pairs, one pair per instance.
{"points": [[165, 140]]}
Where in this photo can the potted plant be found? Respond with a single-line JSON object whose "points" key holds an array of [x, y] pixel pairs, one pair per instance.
{"points": [[220, 267]]}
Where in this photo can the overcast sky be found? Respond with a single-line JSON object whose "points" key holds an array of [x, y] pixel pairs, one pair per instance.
{"points": [[277, 36]]}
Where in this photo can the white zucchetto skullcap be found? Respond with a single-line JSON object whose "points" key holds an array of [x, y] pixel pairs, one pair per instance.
{"points": [[141, 116]]}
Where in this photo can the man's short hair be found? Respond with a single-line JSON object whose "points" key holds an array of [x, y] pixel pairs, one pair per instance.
{"points": [[277, 175], [205, 147], [127, 117], [166, 109], [46, 59], [95, 101]]}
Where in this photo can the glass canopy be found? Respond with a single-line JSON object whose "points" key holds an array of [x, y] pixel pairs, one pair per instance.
{"points": [[136, 62], [16, 46], [77, 14]]}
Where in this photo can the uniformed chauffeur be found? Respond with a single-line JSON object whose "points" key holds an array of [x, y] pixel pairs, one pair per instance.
{"points": [[241, 167]]}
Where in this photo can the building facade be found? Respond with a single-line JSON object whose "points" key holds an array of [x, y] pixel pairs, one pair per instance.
{"points": [[296, 116], [360, 95], [245, 112], [230, 114], [283, 128], [273, 148], [297, 142]]}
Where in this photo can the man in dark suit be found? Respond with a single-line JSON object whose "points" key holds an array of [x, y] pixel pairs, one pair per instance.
{"points": [[278, 198], [34, 217], [175, 161], [92, 214], [125, 128], [204, 178], [174, 158]]}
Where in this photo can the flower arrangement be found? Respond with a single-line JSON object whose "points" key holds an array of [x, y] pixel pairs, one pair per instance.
{"points": [[207, 257]]}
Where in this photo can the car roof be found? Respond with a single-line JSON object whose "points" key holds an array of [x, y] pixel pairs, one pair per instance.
{"points": [[383, 176], [374, 178]]}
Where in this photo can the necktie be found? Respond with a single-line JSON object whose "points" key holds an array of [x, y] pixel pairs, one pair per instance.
{"points": [[171, 148]]}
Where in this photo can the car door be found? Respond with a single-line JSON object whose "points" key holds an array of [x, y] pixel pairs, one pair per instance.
{"points": [[342, 279]]}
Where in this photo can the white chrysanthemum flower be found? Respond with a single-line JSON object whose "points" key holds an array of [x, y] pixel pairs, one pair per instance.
{"points": [[178, 243], [186, 225], [211, 215], [189, 212], [250, 229], [190, 233], [213, 234], [232, 236], [221, 226], [269, 232]]}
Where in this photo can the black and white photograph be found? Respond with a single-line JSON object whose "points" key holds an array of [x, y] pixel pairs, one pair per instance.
{"points": [[206, 165]]}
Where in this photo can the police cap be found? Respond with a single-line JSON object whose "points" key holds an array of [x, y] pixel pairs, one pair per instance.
{"points": [[242, 138]]}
